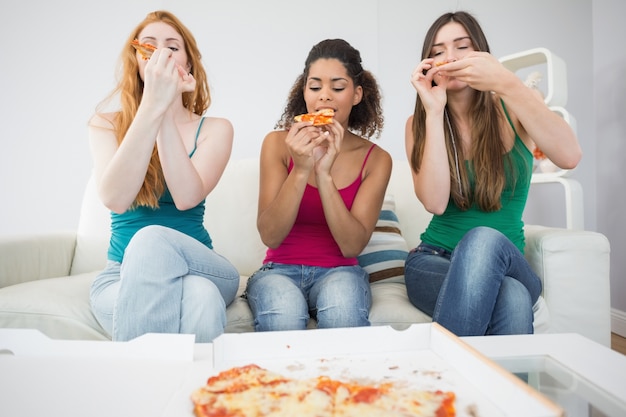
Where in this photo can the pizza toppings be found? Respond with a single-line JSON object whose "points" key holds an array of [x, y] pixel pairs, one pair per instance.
{"points": [[254, 391], [440, 63], [144, 49], [319, 118]]}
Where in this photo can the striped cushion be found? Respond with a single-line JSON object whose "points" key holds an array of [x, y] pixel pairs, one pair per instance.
{"points": [[383, 257]]}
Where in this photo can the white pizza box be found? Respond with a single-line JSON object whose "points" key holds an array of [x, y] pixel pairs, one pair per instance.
{"points": [[31, 342], [154, 375], [424, 356]]}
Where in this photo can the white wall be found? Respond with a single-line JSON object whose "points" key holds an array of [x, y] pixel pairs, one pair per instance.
{"points": [[609, 101], [253, 50]]}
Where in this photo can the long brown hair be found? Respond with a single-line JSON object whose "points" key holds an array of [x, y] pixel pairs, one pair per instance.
{"points": [[129, 89], [366, 118], [486, 115]]}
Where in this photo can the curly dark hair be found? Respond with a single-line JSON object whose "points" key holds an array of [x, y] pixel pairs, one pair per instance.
{"points": [[366, 118]]}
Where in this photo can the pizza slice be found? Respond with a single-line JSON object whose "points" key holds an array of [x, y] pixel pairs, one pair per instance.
{"points": [[144, 49], [319, 118]]}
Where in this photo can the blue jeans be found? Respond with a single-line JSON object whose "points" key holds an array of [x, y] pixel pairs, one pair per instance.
{"points": [[283, 297], [484, 287], [168, 282]]}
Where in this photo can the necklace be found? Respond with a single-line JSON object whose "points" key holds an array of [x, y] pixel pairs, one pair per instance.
{"points": [[456, 155]]}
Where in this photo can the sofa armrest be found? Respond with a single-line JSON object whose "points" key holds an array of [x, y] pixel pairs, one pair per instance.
{"points": [[574, 266], [32, 257]]}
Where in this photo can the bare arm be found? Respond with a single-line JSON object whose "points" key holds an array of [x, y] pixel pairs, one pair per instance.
{"points": [[120, 170], [432, 183], [539, 124], [352, 229], [280, 192], [191, 180]]}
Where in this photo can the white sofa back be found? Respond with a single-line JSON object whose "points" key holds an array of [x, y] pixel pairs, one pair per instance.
{"points": [[230, 217]]}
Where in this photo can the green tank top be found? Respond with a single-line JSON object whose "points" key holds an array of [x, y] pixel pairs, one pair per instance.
{"points": [[447, 229], [125, 225]]}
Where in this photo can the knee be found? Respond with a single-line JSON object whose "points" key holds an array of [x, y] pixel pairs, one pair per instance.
{"points": [[148, 233], [482, 236], [203, 293], [146, 239], [276, 303], [345, 288], [343, 302]]}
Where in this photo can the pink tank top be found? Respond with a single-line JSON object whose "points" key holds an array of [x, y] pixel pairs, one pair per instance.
{"points": [[310, 242]]}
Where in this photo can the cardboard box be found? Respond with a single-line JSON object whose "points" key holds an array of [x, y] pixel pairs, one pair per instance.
{"points": [[155, 375]]}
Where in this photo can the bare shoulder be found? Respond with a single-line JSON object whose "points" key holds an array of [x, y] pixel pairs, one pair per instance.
{"points": [[275, 140], [103, 120], [379, 160], [217, 126]]}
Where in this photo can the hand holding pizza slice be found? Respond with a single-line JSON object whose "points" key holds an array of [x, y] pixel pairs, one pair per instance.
{"points": [[319, 118]]}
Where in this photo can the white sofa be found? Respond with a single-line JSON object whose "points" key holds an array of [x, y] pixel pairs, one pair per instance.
{"points": [[45, 279]]}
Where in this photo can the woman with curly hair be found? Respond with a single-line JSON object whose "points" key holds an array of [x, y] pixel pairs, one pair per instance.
{"points": [[321, 191], [156, 158]]}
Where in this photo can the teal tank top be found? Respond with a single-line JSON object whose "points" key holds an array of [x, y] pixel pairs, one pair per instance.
{"points": [[447, 229], [125, 225]]}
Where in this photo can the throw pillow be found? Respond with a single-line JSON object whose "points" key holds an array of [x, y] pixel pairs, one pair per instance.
{"points": [[384, 256]]}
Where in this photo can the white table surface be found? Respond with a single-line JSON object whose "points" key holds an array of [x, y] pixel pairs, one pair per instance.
{"points": [[592, 362]]}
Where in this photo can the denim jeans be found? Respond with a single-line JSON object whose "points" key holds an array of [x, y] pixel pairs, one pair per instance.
{"points": [[283, 297], [484, 287], [167, 282]]}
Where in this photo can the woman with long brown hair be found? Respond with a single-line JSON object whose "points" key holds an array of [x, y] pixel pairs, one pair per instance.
{"points": [[469, 144]]}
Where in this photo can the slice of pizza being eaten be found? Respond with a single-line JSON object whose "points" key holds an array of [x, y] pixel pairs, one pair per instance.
{"points": [[144, 49], [319, 118], [252, 391]]}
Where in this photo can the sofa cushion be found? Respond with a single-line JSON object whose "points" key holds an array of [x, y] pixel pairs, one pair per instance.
{"points": [[238, 313], [58, 307], [384, 256], [391, 306]]}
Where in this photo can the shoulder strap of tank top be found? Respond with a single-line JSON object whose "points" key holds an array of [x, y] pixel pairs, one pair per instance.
{"points": [[195, 143], [366, 157], [506, 113]]}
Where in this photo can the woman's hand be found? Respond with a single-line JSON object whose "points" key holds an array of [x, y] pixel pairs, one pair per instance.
{"points": [[165, 80], [480, 70], [432, 94], [303, 141], [328, 148]]}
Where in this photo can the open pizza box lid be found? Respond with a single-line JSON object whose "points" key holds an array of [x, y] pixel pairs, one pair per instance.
{"points": [[152, 375], [31, 342], [156, 374]]}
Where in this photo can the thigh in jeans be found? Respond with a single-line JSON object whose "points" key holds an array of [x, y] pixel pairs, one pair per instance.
{"points": [[275, 298], [424, 271], [341, 297]]}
